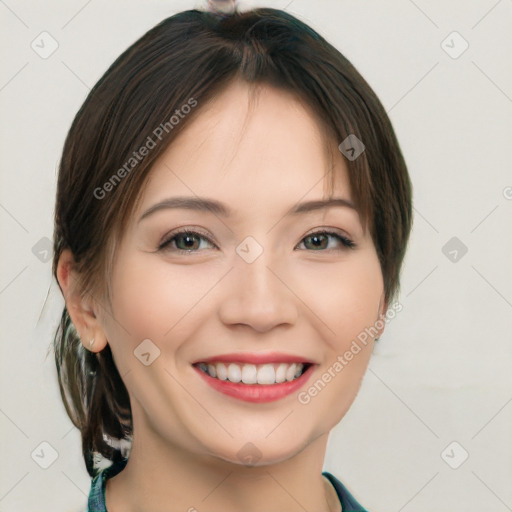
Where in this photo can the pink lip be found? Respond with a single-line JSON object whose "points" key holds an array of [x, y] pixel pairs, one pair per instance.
{"points": [[256, 393], [255, 358]]}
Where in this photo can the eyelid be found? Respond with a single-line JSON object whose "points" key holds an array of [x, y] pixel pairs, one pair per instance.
{"points": [[185, 229], [328, 229], [345, 239]]}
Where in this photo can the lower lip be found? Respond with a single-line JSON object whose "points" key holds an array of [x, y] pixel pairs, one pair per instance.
{"points": [[257, 393]]}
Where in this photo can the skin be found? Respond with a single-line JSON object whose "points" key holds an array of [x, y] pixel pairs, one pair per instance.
{"points": [[294, 298]]}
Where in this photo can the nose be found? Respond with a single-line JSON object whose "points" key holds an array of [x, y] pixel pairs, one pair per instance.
{"points": [[258, 296]]}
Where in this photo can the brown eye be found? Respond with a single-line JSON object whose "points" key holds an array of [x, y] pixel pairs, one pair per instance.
{"points": [[184, 241], [320, 241]]}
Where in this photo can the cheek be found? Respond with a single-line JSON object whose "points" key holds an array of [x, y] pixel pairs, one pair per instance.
{"points": [[344, 296], [153, 298], [347, 303], [351, 305]]}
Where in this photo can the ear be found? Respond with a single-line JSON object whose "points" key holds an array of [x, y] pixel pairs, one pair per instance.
{"points": [[82, 308], [381, 313]]}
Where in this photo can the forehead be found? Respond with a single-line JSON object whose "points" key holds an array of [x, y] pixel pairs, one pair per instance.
{"points": [[249, 144]]}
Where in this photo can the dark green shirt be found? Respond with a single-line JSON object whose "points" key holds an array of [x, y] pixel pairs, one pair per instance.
{"points": [[96, 501]]}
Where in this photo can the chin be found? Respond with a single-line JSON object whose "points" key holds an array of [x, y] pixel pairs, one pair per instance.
{"points": [[259, 452]]}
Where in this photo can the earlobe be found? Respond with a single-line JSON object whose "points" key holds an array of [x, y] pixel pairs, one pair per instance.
{"points": [[380, 324], [383, 305], [81, 309]]}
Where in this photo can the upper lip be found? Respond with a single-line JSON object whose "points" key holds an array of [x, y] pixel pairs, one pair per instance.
{"points": [[255, 358]]}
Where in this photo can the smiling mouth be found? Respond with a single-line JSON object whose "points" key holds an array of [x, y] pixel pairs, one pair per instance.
{"points": [[251, 374]]}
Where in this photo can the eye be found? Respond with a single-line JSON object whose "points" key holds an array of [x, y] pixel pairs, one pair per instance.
{"points": [[320, 241], [186, 241]]}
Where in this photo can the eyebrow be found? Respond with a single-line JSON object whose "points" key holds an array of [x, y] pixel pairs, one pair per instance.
{"points": [[218, 208]]}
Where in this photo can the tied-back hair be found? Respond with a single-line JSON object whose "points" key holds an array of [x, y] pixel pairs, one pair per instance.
{"points": [[196, 54], [94, 396]]}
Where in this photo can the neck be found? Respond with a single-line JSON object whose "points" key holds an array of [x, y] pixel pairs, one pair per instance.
{"points": [[163, 477]]}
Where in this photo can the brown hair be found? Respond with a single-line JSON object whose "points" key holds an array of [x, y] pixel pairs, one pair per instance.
{"points": [[190, 57]]}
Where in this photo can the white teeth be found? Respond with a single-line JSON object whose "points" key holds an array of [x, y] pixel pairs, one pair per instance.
{"points": [[222, 372], [212, 371], [249, 374], [281, 372], [234, 373], [265, 374], [290, 373]]}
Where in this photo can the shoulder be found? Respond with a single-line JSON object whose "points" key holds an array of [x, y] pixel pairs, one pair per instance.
{"points": [[348, 502]]}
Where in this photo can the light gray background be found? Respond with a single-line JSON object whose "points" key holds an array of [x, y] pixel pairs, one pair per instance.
{"points": [[442, 371]]}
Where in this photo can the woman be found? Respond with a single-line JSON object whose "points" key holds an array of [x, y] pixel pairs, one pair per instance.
{"points": [[232, 214]]}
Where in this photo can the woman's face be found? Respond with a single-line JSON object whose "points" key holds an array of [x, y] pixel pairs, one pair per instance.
{"points": [[252, 283]]}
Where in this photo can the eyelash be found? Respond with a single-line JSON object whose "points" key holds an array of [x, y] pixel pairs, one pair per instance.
{"points": [[346, 242]]}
